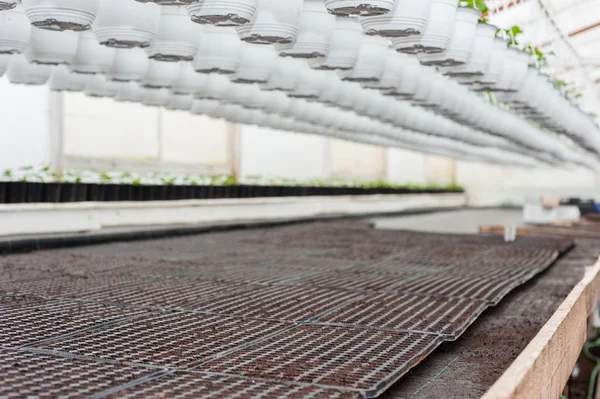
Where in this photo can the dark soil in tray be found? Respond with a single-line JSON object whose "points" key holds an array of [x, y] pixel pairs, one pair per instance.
{"points": [[319, 304]]}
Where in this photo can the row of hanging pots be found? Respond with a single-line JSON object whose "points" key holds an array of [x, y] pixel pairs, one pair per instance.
{"points": [[366, 63]]}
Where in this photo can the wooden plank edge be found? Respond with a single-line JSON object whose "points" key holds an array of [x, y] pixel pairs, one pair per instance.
{"points": [[543, 368]]}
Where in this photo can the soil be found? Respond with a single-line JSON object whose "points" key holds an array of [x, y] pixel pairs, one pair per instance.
{"points": [[468, 367]]}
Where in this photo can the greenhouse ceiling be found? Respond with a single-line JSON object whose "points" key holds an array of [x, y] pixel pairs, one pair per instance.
{"points": [[429, 75], [570, 29]]}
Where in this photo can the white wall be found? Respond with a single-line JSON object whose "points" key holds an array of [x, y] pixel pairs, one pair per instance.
{"points": [[405, 166], [493, 184], [24, 125], [266, 152], [357, 161]]}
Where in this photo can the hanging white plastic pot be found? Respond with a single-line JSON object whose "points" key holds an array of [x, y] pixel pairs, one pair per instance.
{"points": [[255, 64], [129, 92], [188, 81], [495, 66], [156, 97], [242, 94], [99, 86], [161, 75], [438, 33], [215, 89], [408, 17], [219, 50], [15, 31], [51, 47], [177, 38], [91, 57], [314, 34], [63, 80], [204, 106], [481, 54], [126, 24], [169, 2], [60, 15], [4, 61], [371, 60], [359, 7], [180, 102], [222, 12], [461, 44], [345, 44], [284, 75], [8, 4], [392, 72], [276, 103], [275, 21], [331, 88], [20, 71], [309, 84], [128, 65]]}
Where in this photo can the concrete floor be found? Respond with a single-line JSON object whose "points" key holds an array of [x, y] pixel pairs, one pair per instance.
{"points": [[464, 221]]}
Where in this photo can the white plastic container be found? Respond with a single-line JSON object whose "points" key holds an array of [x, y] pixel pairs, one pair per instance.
{"points": [[222, 12], [481, 54], [180, 102], [51, 47], [169, 2], [126, 24], [215, 89], [256, 63], [91, 57], [161, 75], [344, 47], [20, 71], [129, 65], [63, 80], [156, 97], [284, 75], [462, 42], [99, 86], [408, 17], [177, 38], [359, 7], [371, 60], [8, 4], [60, 15], [219, 50], [314, 36], [4, 61], [438, 33], [275, 21], [188, 81], [129, 92], [309, 84], [15, 30]]}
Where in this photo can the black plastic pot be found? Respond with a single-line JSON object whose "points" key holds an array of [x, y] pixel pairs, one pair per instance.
{"points": [[68, 192], [125, 192], [158, 193], [112, 193], [3, 192], [81, 192], [96, 192], [17, 192], [35, 192], [137, 193], [51, 192]]}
